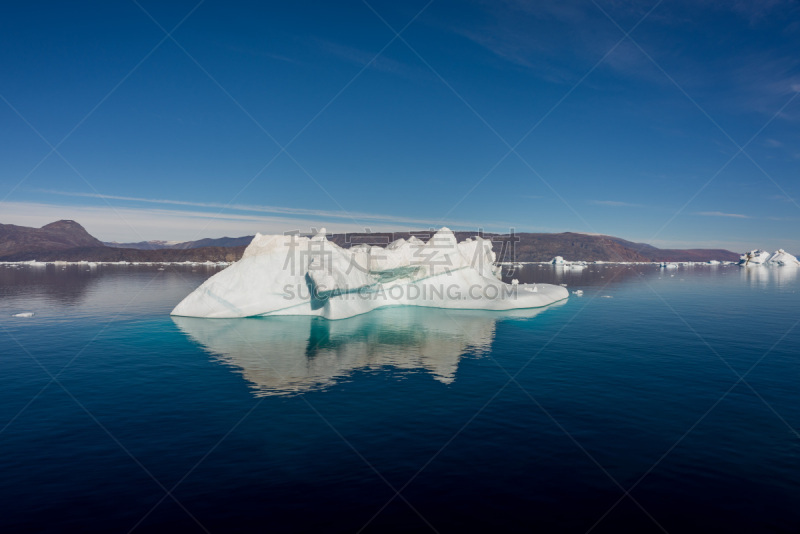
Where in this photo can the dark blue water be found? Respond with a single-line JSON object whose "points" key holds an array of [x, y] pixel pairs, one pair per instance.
{"points": [[658, 401]]}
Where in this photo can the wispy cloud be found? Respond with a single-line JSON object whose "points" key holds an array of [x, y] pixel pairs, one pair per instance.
{"points": [[752, 11], [194, 220], [723, 214], [764, 81], [126, 224], [558, 40], [772, 143], [251, 51], [615, 203], [319, 215], [782, 198], [362, 58]]}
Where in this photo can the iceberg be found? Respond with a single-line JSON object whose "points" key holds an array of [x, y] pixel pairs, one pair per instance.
{"points": [[762, 257], [781, 257], [754, 257], [290, 274]]}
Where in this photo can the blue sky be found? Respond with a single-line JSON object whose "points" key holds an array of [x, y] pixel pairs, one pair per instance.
{"points": [[675, 123]]}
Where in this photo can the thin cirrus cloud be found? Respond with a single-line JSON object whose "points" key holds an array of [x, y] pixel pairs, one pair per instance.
{"points": [[615, 203], [370, 59], [126, 224], [723, 214], [782, 198], [186, 220], [353, 217]]}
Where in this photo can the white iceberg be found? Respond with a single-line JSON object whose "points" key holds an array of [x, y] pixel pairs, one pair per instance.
{"points": [[781, 257], [297, 275], [754, 257]]}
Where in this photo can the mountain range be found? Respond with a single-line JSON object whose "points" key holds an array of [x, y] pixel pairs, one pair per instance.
{"points": [[69, 241], [174, 245]]}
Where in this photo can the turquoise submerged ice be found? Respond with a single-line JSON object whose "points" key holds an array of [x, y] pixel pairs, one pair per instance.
{"points": [[295, 275]]}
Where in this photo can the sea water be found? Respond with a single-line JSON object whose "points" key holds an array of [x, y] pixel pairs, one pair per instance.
{"points": [[659, 400]]}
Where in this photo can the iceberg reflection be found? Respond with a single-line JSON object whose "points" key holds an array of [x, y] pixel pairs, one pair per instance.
{"points": [[292, 354], [764, 275]]}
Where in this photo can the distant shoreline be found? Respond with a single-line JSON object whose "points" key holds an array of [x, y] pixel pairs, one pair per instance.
{"points": [[68, 241]]}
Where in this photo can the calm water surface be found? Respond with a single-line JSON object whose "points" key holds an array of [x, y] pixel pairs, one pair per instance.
{"points": [[660, 400]]}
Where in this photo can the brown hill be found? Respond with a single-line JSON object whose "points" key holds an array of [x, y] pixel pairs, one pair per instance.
{"points": [[69, 241], [60, 235]]}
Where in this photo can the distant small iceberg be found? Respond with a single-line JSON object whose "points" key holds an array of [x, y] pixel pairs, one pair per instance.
{"points": [[781, 257], [561, 262], [762, 257], [24, 314], [754, 257]]}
